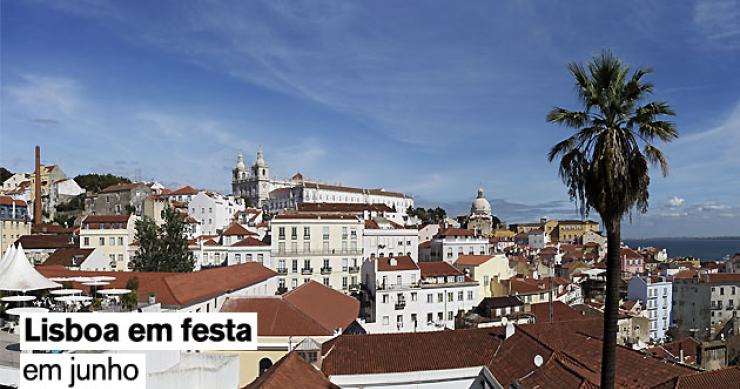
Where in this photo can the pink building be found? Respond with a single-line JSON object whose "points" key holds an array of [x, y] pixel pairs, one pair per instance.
{"points": [[632, 263]]}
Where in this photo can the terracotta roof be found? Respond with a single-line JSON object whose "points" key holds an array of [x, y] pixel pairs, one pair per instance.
{"points": [[185, 190], [499, 302], [673, 349], [289, 216], [47, 241], [297, 176], [291, 372], [380, 192], [402, 263], [342, 208], [49, 228], [7, 200], [630, 254], [560, 312], [455, 232], [628, 305], [560, 372], [438, 268], [236, 229], [122, 187], [577, 343], [473, 260], [179, 289], [522, 286], [722, 278], [722, 378], [248, 242], [64, 256], [312, 309], [95, 222]]}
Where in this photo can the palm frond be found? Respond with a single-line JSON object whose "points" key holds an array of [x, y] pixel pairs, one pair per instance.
{"points": [[656, 157]]}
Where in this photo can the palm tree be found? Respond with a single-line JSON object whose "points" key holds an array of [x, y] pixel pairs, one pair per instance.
{"points": [[605, 164]]}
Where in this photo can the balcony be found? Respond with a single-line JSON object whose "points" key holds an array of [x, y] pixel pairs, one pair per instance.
{"points": [[397, 286], [282, 272], [307, 271], [326, 270], [400, 305], [354, 269], [302, 252]]}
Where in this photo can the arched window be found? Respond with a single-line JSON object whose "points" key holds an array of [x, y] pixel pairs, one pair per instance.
{"points": [[265, 363]]}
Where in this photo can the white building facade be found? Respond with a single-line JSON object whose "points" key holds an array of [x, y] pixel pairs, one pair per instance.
{"points": [[214, 211], [451, 243]]}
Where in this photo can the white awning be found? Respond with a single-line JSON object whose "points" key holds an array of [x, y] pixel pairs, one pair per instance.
{"points": [[18, 275]]}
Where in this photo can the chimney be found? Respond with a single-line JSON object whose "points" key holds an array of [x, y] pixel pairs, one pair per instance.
{"points": [[393, 261], [510, 329], [37, 216]]}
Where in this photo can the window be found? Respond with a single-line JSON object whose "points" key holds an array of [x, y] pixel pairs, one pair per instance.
{"points": [[306, 264], [86, 241], [413, 319], [449, 315], [120, 241], [344, 282], [385, 320], [101, 241], [430, 299], [450, 296], [385, 299], [238, 258], [294, 266], [440, 316], [295, 283], [294, 233], [326, 233], [430, 318], [264, 364], [281, 233], [326, 281], [460, 296], [470, 295], [440, 297], [399, 321], [112, 257], [326, 263], [112, 241], [413, 296], [486, 280], [306, 232]]}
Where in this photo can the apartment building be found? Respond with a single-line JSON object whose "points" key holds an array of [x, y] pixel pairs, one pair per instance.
{"points": [[656, 294], [112, 234], [703, 303], [484, 269], [383, 237], [451, 243], [214, 211], [14, 221], [324, 248], [118, 199], [405, 296]]}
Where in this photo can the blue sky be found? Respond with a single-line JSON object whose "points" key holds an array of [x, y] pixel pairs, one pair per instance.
{"points": [[431, 98]]}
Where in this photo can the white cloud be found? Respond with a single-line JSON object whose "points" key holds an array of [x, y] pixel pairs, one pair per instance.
{"points": [[46, 97], [717, 20], [676, 201]]}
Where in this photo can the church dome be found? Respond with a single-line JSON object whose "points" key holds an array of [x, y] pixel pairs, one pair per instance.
{"points": [[240, 163], [480, 205], [260, 162]]}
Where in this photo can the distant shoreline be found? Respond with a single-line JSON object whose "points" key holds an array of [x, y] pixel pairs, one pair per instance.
{"points": [[686, 237]]}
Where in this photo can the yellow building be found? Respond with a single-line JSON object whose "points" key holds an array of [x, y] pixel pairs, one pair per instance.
{"points": [[14, 221], [485, 269], [573, 230], [112, 234], [499, 233]]}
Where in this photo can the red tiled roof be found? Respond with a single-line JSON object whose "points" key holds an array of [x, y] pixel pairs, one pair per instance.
{"points": [[185, 190], [95, 222], [522, 286], [577, 343], [455, 232], [236, 229], [342, 208], [437, 268], [291, 372], [402, 263], [46, 241], [630, 254], [310, 310], [290, 216], [673, 349], [64, 256], [473, 260], [722, 278], [248, 242], [560, 312], [9, 201], [178, 289], [723, 378]]}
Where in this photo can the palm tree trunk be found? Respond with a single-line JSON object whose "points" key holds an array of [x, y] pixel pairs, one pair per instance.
{"points": [[611, 307]]}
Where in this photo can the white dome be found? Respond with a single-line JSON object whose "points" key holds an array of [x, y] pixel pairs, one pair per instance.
{"points": [[260, 162], [240, 163], [480, 205]]}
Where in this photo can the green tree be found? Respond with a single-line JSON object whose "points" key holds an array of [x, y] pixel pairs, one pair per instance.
{"points": [[605, 164], [4, 174], [93, 183], [163, 248], [130, 301]]}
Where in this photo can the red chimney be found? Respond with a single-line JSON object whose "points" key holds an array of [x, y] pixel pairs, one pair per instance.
{"points": [[37, 216]]}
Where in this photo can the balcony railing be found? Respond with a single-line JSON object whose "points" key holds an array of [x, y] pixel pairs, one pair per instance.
{"points": [[397, 286], [286, 252], [307, 271], [400, 305], [282, 272], [354, 269], [326, 270]]}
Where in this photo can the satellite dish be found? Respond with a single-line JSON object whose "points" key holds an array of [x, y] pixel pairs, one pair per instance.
{"points": [[504, 320], [538, 360]]}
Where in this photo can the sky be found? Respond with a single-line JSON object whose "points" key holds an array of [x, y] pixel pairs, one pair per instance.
{"points": [[435, 99]]}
